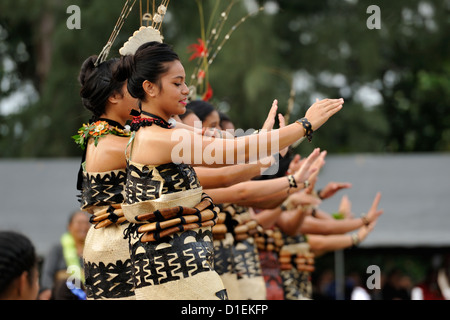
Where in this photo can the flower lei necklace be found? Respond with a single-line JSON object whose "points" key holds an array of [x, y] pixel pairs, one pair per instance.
{"points": [[97, 130]]}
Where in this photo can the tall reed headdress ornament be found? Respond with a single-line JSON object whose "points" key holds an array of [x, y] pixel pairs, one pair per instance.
{"points": [[208, 47], [150, 29], [150, 32], [127, 8]]}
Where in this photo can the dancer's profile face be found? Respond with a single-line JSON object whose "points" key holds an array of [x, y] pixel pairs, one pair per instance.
{"points": [[172, 93], [212, 120], [192, 120]]}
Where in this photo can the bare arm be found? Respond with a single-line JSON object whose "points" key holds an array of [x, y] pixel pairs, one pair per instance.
{"points": [[245, 192], [332, 226], [269, 202], [313, 225], [227, 176], [331, 188], [320, 214], [291, 212], [161, 146], [345, 210], [291, 220], [248, 190], [267, 218], [277, 198], [324, 243]]}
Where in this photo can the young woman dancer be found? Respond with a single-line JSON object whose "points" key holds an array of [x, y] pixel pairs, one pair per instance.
{"points": [[107, 264], [171, 219]]}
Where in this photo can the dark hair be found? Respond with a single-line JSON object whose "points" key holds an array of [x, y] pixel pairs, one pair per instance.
{"points": [[148, 63], [17, 254], [98, 84], [224, 118], [201, 108], [184, 115]]}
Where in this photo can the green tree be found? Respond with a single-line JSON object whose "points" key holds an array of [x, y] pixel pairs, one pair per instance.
{"points": [[54, 54], [405, 63], [394, 79]]}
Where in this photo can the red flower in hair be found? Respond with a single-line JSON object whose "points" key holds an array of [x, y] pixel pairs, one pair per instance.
{"points": [[199, 50], [208, 94]]}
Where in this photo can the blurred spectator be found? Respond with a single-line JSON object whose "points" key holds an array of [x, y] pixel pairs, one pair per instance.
{"points": [[395, 288], [359, 289], [19, 274], [322, 282], [435, 284], [65, 258]]}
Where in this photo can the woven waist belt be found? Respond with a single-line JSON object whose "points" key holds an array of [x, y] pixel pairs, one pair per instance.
{"points": [[245, 230], [240, 232], [269, 240], [108, 216], [220, 229], [239, 224], [165, 222], [299, 261]]}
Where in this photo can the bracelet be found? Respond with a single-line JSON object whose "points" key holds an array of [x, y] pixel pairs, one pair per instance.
{"points": [[355, 239], [292, 183], [306, 184], [307, 126], [318, 194], [365, 221]]}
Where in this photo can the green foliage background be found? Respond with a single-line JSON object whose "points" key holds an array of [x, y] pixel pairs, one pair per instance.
{"points": [[324, 43]]}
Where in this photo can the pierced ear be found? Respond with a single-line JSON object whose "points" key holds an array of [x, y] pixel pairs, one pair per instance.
{"points": [[150, 88]]}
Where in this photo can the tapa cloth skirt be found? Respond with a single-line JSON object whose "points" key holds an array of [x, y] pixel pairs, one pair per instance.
{"points": [[224, 263], [176, 267], [248, 270], [107, 264]]}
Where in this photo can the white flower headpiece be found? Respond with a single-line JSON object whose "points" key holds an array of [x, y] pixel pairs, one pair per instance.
{"points": [[143, 35]]}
